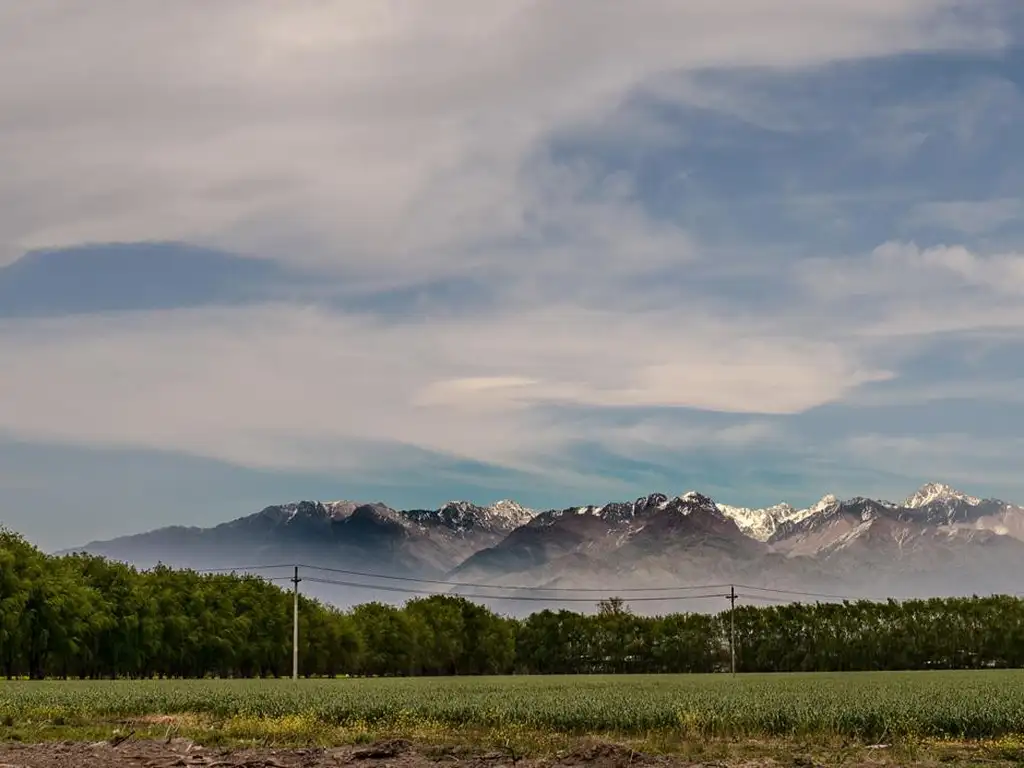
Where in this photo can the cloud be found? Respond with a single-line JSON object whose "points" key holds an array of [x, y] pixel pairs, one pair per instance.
{"points": [[657, 438], [976, 463], [283, 386], [999, 273], [903, 289], [1008, 391], [971, 217], [389, 142]]}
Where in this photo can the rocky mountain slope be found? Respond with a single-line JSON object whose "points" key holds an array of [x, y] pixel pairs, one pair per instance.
{"points": [[344, 534], [937, 541]]}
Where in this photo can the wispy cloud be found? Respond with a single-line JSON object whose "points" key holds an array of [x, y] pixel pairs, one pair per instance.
{"points": [[978, 465], [971, 217], [903, 290], [1009, 391], [278, 386], [360, 138], [906, 269]]}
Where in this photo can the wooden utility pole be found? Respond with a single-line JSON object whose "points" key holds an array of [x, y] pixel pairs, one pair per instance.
{"points": [[295, 625], [732, 627]]}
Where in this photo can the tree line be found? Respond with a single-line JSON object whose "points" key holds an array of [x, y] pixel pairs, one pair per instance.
{"points": [[84, 616]]}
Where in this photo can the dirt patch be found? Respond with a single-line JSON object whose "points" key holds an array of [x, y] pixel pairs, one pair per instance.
{"points": [[177, 753], [397, 753], [603, 754], [383, 749]]}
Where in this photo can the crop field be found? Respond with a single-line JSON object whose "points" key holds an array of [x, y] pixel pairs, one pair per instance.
{"points": [[864, 706]]}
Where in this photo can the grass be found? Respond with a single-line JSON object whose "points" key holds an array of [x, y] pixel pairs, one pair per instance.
{"points": [[712, 716]]}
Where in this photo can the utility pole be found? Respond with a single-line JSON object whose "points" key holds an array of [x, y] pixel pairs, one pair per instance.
{"points": [[295, 625], [732, 626]]}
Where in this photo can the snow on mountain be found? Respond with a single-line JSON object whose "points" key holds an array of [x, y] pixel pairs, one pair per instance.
{"points": [[621, 512], [339, 510], [933, 493], [940, 540], [310, 510], [618, 511], [692, 501], [511, 513], [461, 516], [326, 511], [938, 504], [822, 504], [761, 524]]}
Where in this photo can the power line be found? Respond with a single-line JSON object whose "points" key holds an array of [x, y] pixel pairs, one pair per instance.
{"points": [[764, 598], [780, 599], [229, 571], [526, 598], [517, 587], [809, 594], [602, 590], [247, 568]]}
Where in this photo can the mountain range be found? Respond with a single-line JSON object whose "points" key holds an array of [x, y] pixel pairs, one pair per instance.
{"points": [[937, 542]]}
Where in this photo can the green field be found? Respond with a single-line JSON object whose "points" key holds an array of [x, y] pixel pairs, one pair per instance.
{"points": [[867, 707]]}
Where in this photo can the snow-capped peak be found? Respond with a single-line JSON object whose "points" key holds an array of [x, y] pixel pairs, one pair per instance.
{"points": [[324, 511], [463, 507], [826, 502], [341, 508], [699, 499], [460, 515], [762, 523], [511, 512], [304, 510], [759, 524], [503, 514], [929, 493], [690, 502]]}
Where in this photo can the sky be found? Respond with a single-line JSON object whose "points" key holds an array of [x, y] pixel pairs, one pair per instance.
{"points": [[563, 251]]}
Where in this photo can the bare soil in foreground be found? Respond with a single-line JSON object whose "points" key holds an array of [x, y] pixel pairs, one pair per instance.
{"points": [[181, 753], [399, 753]]}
